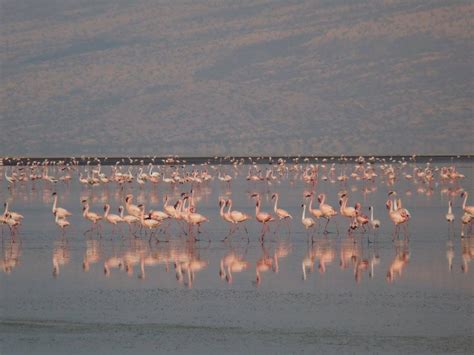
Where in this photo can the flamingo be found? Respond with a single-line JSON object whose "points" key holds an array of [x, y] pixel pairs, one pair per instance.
{"points": [[129, 219], [236, 216], [397, 206], [349, 212], [314, 211], [396, 216], [225, 178], [327, 211], [132, 209], [147, 223], [91, 216], [113, 219], [262, 217], [11, 222], [361, 218], [170, 210], [58, 211], [233, 217], [194, 218], [468, 209], [450, 216], [158, 215], [465, 220], [226, 217], [14, 215], [281, 213], [374, 223]]}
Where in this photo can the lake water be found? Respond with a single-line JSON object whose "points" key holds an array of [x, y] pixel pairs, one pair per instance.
{"points": [[114, 293]]}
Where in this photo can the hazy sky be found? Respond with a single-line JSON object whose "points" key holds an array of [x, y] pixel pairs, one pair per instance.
{"points": [[236, 77]]}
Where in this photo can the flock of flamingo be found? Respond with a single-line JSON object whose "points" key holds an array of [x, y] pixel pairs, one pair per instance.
{"points": [[185, 186], [184, 209]]}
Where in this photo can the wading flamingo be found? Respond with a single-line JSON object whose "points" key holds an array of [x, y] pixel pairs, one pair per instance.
{"points": [[327, 211], [262, 217], [58, 211]]}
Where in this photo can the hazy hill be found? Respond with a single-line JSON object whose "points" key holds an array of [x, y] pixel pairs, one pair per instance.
{"points": [[239, 77]]}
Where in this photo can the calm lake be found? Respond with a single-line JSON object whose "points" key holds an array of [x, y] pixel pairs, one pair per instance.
{"points": [[114, 292]]}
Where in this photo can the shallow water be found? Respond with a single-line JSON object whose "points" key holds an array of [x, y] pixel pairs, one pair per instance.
{"points": [[411, 295]]}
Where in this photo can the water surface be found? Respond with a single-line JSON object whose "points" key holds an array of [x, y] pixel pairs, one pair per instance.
{"points": [[337, 293]]}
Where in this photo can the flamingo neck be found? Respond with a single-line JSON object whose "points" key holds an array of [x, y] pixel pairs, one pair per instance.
{"points": [[465, 200], [304, 213], [230, 206], [372, 214], [222, 209], [323, 199], [310, 208], [55, 202], [276, 203], [257, 207], [107, 208]]}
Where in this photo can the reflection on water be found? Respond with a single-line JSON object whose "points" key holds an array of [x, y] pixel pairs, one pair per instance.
{"points": [[11, 252], [402, 256], [61, 255], [467, 252], [135, 257]]}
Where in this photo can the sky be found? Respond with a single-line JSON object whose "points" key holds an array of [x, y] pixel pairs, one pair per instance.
{"points": [[199, 78]]}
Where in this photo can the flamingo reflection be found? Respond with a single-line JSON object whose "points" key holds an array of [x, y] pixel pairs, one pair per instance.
{"points": [[231, 262], [402, 256], [467, 253], [61, 255], [11, 252]]}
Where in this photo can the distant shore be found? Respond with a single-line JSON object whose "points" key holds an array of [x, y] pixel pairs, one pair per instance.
{"points": [[186, 160]]}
